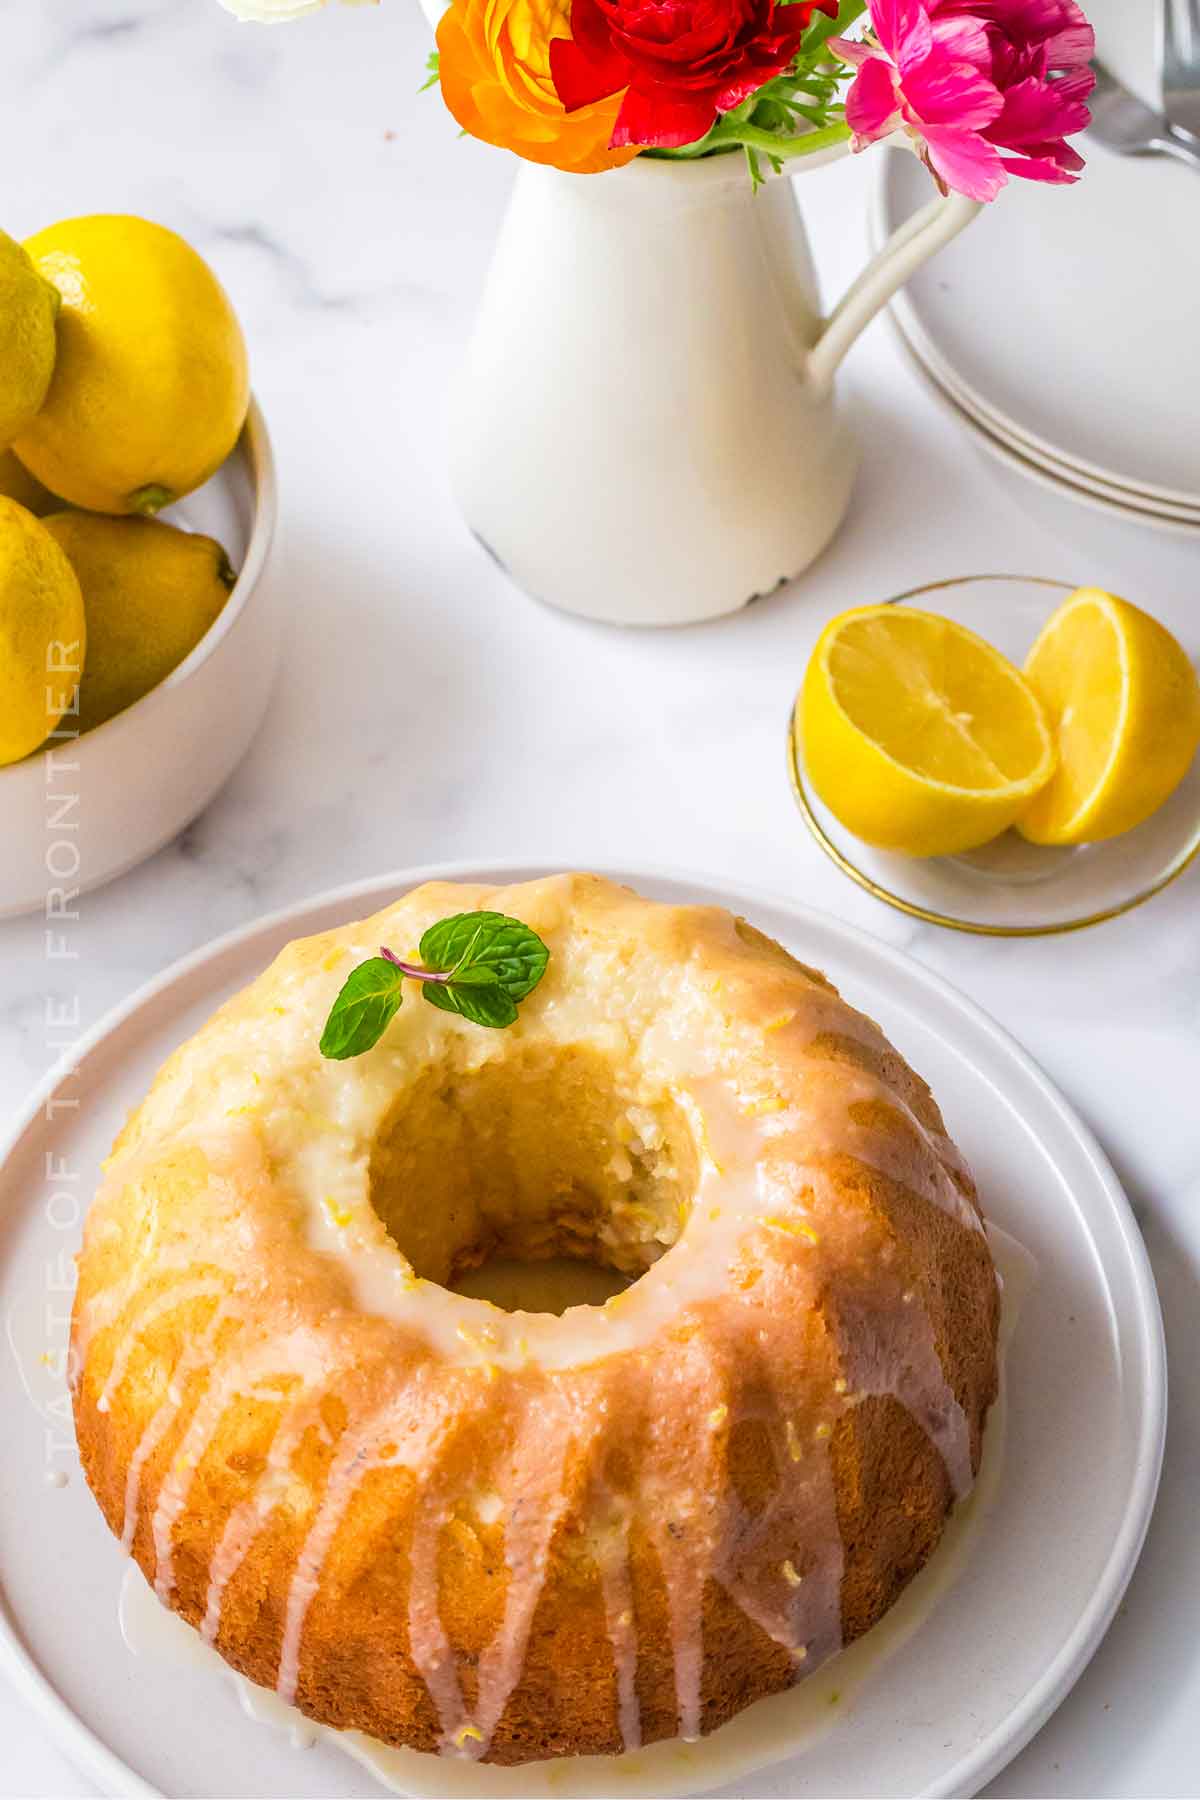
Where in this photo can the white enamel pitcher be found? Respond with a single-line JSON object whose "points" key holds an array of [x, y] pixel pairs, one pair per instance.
{"points": [[644, 431]]}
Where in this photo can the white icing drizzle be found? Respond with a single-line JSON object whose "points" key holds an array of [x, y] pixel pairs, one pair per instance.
{"points": [[272, 1357], [769, 1239], [683, 1525], [617, 1587], [250, 1515], [193, 1358], [428, 1642], [351, 1462], [181, 1294], [530, 1525]]}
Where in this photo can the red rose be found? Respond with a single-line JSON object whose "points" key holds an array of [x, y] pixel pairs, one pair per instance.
{"points": [[683, 62]]}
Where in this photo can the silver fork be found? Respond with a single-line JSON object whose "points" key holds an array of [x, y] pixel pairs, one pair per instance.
{"points": [[1126, 124], [1179, 47]]}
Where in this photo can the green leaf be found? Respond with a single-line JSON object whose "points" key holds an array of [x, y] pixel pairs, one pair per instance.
{"points": [[482, 1005], [433, 66], [470, 975], [823, 27], [477, 965], [369, 1001], [475, 947]]}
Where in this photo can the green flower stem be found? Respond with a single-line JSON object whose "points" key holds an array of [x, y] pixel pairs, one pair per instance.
{"points": [[823, 28], [783, 149], [764, 124]]}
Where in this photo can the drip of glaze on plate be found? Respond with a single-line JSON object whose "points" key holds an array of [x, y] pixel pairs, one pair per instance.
{"points": [[783, 1726], [802, 1617], [765, 1220]]}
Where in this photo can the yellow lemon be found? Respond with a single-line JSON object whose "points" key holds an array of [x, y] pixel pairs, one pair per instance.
{"points": [[16, 483], [28, 308], [42, 633], [917, 734], [150, 593], [150, 387], [1124, 704]]}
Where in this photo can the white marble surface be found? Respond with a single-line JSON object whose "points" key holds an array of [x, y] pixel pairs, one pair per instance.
{"points": [[427, 711]]}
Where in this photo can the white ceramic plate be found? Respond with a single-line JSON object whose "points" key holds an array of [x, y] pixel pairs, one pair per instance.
{"points": [[1069, 314], [994, 426], [1086, 1408], [1132, 511]]}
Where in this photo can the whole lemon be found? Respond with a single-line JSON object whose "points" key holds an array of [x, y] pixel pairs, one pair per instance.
{"points": [[16, 483], [150, 386], [42, 633], [150, 592], [28, 308]]}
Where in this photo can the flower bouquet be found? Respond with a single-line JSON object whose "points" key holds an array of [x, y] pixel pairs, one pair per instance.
{"points": [[674, 449]]}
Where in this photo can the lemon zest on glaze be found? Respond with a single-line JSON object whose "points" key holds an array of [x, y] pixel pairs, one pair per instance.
{"points": [[792, 1227], [706, 1144], [770, 1103]]}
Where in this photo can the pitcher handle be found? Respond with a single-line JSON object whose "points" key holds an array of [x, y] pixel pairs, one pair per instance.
{"points": [[909, 246]]}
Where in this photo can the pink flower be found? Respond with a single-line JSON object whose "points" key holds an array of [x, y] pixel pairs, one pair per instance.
{"points": [[986, 88]]}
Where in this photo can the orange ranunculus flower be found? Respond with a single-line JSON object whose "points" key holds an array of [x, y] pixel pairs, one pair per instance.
{"points": [[494, 58]]}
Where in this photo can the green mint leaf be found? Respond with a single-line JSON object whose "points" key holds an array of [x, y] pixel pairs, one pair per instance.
{"points": [[368, 1002], [477, 965], [481, 1005], [470, 943], [472, 975]]}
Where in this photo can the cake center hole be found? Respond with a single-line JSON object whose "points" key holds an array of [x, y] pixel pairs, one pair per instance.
{"points": [[537, 1181], [550, 1286]]}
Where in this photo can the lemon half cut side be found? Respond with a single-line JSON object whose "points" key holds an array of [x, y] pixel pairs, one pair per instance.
{"points": [[1124, 704], [917, 734]]}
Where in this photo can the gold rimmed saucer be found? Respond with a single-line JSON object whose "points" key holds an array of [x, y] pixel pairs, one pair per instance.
{"points": [[1010, 888]]}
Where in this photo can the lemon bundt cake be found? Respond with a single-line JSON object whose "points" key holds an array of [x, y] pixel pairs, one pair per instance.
{"points": [[513, 1535]]}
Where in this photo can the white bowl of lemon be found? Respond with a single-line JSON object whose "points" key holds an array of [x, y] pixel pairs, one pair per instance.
{"points": [[137, 508]]}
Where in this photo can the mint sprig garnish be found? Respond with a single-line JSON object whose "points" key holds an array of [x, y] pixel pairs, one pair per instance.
{"points": [[469, 945], [369, 1001], [477, 964]]}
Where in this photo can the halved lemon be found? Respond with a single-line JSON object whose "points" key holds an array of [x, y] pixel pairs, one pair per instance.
{"points": [[1124, 705], [918, 735]]}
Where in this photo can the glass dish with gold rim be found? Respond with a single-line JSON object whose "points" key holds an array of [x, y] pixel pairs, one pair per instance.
{"points": [[1010, 888]]}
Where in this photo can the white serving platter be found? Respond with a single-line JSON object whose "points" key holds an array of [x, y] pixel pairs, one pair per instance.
{"points": [[983, 1669]]}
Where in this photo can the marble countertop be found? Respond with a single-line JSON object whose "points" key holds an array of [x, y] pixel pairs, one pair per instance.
{"points": [[426, 711]]}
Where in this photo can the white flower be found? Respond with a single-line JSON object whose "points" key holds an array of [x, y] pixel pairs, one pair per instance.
{"points": [[279, 12]]}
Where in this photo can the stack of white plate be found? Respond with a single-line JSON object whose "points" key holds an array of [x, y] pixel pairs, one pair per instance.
{"points": [[1063, 328]]}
